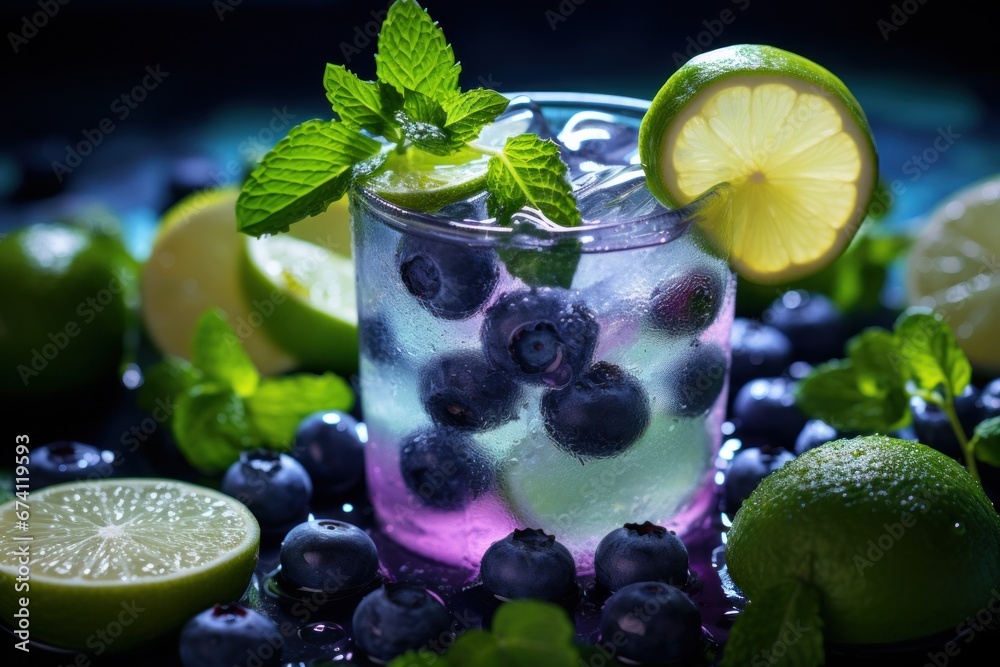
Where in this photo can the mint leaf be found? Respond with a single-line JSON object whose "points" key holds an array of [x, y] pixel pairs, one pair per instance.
{"points": [[413, 53], [881, 374], [468, 113], [928, 346], [987, 441], [165, 380], [218, 354], [553, 267], [280, 403], [302, 175], [835, 393], [422, 658], [781, 628], [361, 105], [529, 172], [422, 120], [211, 427], [524, 634]]}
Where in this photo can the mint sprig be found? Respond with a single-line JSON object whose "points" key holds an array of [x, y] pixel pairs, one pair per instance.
{"points": [[872, 388], [523, 632], [218, 405], [416, 102]]}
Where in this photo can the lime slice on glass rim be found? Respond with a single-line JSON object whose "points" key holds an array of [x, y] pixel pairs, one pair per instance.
{"points": [[114, 563], [789, 139], [953, 268], [310, 289], [422, 181]]}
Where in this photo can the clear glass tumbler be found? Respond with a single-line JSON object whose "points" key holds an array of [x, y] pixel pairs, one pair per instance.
{"points": [[569, 379]]}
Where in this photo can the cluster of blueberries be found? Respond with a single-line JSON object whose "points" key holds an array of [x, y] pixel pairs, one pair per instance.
{"points": [[538, 336], [643, 568], [797, 330]]}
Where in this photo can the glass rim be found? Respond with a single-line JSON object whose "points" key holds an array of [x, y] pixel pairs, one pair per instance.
{"points": [[652, 229]]}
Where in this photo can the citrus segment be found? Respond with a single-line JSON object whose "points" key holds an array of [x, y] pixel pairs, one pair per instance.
{"points": [[953, 269], [312, 290], [115, 563], [788, 138]]}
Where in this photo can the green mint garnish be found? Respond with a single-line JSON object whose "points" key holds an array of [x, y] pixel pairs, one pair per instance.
{"points": [[871, 389], [782, 627], [305, 172], [529, 172], [523, 632], [416, 102], [218, 405], [986, 441], [413, 54]]}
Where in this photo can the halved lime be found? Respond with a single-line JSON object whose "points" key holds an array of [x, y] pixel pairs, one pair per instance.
{"points": [[785, 134], [422, 181], [111, 564], [309, 297], [954, 269], [194, 267], [899, 539]]}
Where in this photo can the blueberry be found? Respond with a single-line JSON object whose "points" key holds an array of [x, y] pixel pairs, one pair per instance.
{"points": [[275, 487], [687, 301], [652, 622], [66, 461], [449, 280], [746, 470], [698, 380], [816, 432], [539, 336], [328, 555], [758, 350], [230, 634], [764, 412], [812, 323], [461, 389], [528, 564], [444, 468], [377, 339], [394, 619], [640, 552], [599, 415], [932, 427], [331, 447], [989, 397]]}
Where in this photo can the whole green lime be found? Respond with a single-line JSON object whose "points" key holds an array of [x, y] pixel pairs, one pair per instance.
{"points": [[63, 309], [899, 539]]}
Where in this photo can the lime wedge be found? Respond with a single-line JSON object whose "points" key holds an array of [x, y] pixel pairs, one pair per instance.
{"points": [[116, 563], [193, 266], [788, 137], [307, 299], [953, 268], [422, 181]]}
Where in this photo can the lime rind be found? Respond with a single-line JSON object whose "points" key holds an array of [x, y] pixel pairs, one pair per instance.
{"points": [[425, 182], [118, 563], [800, 221]]}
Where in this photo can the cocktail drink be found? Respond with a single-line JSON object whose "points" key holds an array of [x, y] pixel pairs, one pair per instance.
{"points": [[531, 375], [545, 287]]}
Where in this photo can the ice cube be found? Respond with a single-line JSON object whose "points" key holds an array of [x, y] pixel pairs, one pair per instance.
{"points": [[522, 115], [593, 140], [468, 210], [615, 194]]}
